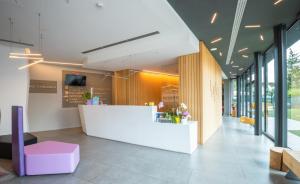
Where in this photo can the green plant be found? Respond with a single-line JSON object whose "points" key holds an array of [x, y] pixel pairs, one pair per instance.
{"points": [[87, 95]]}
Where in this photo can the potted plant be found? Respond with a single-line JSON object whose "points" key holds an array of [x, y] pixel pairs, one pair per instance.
{"points": [[87, 96]]}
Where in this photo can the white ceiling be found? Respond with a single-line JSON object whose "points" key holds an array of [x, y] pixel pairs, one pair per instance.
{"points": [[70, 27]]}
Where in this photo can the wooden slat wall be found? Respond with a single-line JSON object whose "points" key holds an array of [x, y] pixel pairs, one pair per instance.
{"points": [[140, 87], [120, 88], [189, 86], [201, 90], [211, 79]]}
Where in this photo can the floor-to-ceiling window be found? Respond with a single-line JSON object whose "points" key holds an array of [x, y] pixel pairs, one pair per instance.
{"points": [[234, 95], [293, 86], [242, 95], [248, 94], [252, 98], [270, 93], [263, 94]]}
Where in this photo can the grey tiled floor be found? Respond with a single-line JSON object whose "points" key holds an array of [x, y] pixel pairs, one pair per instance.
{"points": [[232, 155]]}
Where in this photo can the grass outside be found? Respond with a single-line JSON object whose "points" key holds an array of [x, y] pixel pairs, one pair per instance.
{"points": [[293, 114], [295, 132]]}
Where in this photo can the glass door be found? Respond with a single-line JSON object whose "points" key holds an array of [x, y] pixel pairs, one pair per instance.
{"points": [[293, 86]]}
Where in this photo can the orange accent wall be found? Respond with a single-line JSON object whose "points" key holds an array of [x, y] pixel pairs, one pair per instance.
{"points": [[140, 87], [201, 90]]}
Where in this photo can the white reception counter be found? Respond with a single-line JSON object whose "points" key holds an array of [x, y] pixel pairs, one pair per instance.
{"points": [[137, 125]]}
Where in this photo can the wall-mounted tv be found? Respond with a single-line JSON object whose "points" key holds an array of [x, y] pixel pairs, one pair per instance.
{"points": [[75, 80]]}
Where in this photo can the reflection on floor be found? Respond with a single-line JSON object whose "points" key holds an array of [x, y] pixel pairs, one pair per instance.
{"points": [[232, 155]]}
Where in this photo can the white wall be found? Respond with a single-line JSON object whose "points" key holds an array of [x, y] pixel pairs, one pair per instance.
{"points": [[45, 110], [13, 88]]}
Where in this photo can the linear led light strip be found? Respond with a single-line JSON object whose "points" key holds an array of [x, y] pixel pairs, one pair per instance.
{"points": [[49, 62], [253, 26], [241, 5], [216, 40], [213, 19], [62, 63], [277, 2], [29, 65], [244, 49], [261, 37], [23, 54], [25, 57], [159, 73]]}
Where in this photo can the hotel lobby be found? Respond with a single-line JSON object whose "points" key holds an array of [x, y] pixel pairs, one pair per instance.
{"points": [[168, 91]]}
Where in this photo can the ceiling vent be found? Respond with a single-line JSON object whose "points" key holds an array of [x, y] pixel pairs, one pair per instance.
{"points": [[122, 42], [240, 8]]}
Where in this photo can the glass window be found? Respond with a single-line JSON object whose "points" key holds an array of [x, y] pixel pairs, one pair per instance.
{"points": [[252, 106], [234, 97], [293, 86], [263, 98], [270, 94]]}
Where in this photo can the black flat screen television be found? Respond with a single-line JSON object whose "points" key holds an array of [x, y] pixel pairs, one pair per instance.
{"points": [[75, 80]]}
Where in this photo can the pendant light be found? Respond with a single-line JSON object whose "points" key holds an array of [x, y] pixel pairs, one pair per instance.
{"points": [[28, 55]]}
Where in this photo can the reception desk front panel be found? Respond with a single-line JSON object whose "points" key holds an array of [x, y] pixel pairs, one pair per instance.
{"points": [[137, 125]]}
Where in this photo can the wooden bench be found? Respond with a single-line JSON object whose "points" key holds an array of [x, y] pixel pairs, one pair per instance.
{"points": [[276, 161], [292, 160], [247, 120]]}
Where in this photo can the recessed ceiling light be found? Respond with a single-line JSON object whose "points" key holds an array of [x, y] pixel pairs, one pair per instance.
{"points": [[213, 49], [245, 56], [216, 40], [261, 37], [277, 2], [235, 66], [241, 69], [243, 49], [233, 74], [220, 53], [253, 26], [214, 17]]}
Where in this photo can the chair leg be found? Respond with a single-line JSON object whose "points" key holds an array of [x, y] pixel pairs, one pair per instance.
{"points": [[291, 176]]}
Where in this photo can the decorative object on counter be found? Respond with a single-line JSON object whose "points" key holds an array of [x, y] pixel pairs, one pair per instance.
{"points": [[87, 97], [184, 114], [92, 92], [160, 105], [151, 104], [170, 117], [178, 115], [95, 100]]}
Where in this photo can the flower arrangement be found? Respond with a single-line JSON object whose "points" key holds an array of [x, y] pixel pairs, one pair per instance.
{"points": [[184, 113]]}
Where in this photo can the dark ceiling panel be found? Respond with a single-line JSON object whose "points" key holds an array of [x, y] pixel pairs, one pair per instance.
{"points": [[197, 15]]}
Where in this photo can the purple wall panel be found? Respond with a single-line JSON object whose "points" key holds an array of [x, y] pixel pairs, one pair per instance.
{"points": [[18, 140]]}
